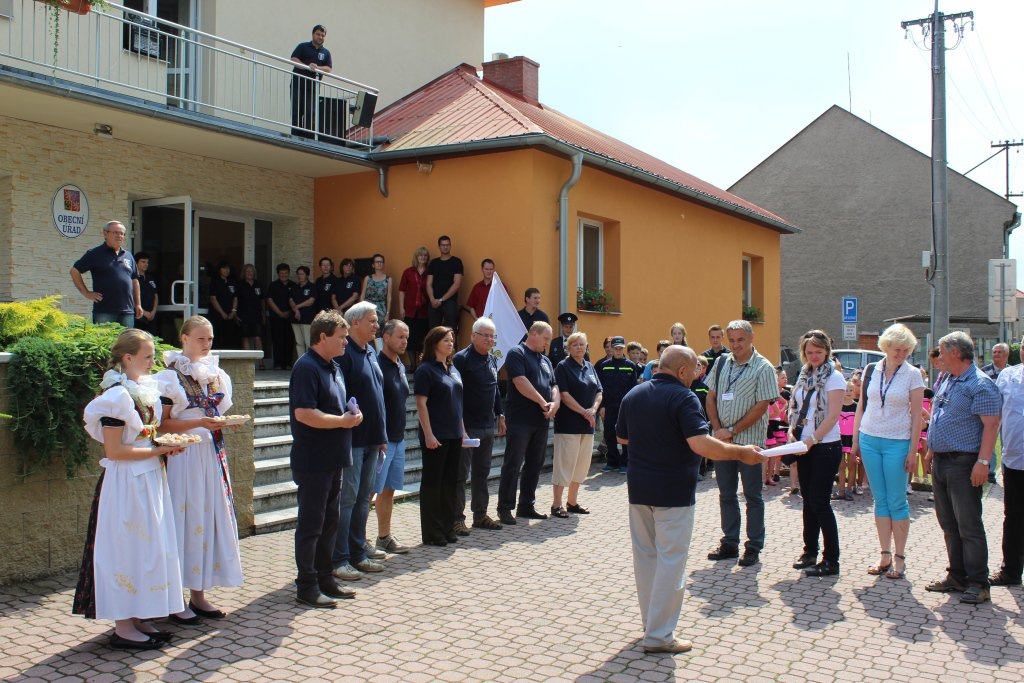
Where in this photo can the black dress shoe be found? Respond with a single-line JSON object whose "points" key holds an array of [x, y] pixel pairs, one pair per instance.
{"points": [[805, 560], [750, 558], [207, 613], [159, 636], [333, 590], [724, 552], [530, 513], [186, 621], [823, 568], [119, 643], [451, 537], [505, 517], [435, 541], [316, 599]]}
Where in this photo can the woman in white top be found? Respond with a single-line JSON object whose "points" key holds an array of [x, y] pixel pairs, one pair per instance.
{"points": [[200, 485], [130, 570], [885, 434], [817, 402]]}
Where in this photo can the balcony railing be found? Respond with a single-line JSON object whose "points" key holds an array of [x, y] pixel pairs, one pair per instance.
{"points": [[120, 51]]}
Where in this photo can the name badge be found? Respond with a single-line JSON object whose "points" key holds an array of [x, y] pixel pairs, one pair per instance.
{"points": [[727, 396]]}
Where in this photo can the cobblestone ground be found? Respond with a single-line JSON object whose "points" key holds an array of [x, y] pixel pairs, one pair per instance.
{"points": [[555, 600]]}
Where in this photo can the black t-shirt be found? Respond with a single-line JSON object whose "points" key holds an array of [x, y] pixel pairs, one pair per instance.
{"points": [[365, 380], [657, 418], [325, 287], [444, 272], [308, 54], [250, 302], [536, 368], [225, 291], [302, 293], [346, 286], [443, 389], [316, 383], [396, 391], [480, 383], [281, 293], [580, 382], [147, 291]]}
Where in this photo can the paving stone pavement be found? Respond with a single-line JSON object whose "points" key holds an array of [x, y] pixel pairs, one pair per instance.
{"points": [[554, 600]]}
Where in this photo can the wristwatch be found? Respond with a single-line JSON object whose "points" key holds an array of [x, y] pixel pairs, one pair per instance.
{"points": [[983, 461], [730, 430]]}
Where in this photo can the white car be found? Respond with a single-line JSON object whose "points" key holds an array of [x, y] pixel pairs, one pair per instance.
{"points": [[853, 359]]}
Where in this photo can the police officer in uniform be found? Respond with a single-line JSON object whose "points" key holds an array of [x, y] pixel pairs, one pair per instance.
{"points": [[557, 352]]}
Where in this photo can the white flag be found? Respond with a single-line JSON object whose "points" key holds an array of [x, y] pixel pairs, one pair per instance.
{"points": [[500, 309]]}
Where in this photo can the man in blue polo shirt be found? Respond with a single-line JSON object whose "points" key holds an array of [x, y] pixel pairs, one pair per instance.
{"points": [[662, 422], [365, 382], [391, 475], [321, 449], [313, 60], [481, 414], [533, 400], [115, 279]]}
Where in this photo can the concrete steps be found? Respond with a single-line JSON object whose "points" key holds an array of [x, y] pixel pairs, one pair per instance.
{"points": [[274, 492]]}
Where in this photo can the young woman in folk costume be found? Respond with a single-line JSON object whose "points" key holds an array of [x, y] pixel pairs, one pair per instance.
{"points": [[200, 484], [130, 570]]}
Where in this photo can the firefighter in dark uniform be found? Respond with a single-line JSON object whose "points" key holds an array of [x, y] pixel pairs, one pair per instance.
{"points": [[557, 352]]}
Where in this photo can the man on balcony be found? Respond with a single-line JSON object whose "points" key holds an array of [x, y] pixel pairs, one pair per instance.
{"points": [[313, 60]]}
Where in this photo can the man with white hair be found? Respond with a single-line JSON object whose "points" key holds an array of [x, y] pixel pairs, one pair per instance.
{"points": [[365, 382], [1000, 358], [115, 293]]}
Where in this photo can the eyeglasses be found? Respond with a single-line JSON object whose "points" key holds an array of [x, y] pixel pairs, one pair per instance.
{"points": [[489, 337], [378, 262]]}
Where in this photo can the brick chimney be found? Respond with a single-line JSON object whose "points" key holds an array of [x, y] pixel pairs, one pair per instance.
{"points": [[515, 74]]}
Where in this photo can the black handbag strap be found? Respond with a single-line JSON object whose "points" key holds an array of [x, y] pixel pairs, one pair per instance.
{"points": [[864, 386]]}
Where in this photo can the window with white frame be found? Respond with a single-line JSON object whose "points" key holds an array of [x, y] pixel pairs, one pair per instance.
{"points": [[747, 296], [590, 254]]}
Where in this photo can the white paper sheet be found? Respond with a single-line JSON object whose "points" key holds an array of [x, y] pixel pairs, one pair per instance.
{"points": [[795, 448]]}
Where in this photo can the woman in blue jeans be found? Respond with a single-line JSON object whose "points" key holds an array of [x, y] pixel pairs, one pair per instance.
{"points": [[885, 433], [817, 401]]}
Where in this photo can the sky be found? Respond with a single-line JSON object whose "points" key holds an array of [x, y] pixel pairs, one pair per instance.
{"points": [[715, 87]]}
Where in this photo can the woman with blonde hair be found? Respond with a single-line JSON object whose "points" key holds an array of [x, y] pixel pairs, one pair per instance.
{"points": [[200, 483], [574, 425], [886, 433], [130, 571], [678, 334]]}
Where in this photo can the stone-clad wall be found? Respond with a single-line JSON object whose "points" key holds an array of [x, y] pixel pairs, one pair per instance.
{"points": [[43, 518]]}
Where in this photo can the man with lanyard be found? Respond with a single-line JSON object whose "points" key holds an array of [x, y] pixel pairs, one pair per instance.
{"points": [[115, 294], [313, 60], [1011, 387], [741, 387], [961, 438]]}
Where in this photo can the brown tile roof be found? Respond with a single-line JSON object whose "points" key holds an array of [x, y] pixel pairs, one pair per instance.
{"points": [[458, 107]]}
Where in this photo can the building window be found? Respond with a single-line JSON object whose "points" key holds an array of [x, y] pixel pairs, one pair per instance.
{"points": [[752, 287], [590, 268], [746, 281]]}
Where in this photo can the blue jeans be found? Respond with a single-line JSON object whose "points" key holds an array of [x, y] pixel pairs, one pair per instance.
{"points": [[885, 463], [958, 509], [356, 487], [728, 474], [125, 319]]}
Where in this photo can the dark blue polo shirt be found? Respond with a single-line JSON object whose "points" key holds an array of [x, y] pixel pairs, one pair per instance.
{"points": [[250, 301], [307, 53], [658, 417], [365, 381], [396, 391], [325, 287], [617, 377], [580, 382], [302, 293], [112, 275], [345, 287], [316, 383], [480, 379], [281, 293], [147, 291], [443, 389], [536, 368], [225, 291]]}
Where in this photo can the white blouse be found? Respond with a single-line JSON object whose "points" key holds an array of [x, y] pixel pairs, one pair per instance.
{"points": [[893, 420]]}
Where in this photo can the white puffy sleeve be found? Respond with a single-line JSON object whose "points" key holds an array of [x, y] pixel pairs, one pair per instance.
{"points": [[170, 387], [117, 404], [225, 388]]}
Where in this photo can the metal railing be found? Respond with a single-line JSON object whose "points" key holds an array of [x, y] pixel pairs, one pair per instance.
{"points": [[121, 51]]}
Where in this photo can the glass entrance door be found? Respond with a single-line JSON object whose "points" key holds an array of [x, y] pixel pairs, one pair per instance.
{"points": [[220, 239], [164, 231]]}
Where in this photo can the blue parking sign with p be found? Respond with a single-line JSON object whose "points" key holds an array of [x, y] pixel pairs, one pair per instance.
{"points": [[849, 309]]}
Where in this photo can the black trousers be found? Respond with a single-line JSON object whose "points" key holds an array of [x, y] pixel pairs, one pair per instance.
{"points": [[303, 100], [283, 340], [617, 454], [315, 527], [525, 447], [1013, 522], [438, 489], [446, 314], [475, 465], [817, 471]]}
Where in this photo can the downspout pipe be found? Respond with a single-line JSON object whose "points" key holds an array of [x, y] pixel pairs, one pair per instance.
{"points": [[382, 180], [563, 228]]}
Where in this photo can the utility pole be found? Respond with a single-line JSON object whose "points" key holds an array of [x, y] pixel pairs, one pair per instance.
{"points": [[940, 200], [1005, 146]]}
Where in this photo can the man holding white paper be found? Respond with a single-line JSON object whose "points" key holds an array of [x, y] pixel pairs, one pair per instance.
{"points": [[662, 422]]}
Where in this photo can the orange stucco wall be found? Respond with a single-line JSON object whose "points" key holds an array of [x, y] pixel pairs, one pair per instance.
{"points": [[672, 259]]}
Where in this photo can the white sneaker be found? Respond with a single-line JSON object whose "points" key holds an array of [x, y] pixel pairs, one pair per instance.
{"points": [[347, 572], [859, 490], [369, 566], [373, 553], [910, 489], [390, 544]]}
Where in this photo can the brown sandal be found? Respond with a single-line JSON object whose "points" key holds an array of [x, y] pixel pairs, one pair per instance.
{"points": [[881, 568], [893, 574]]}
